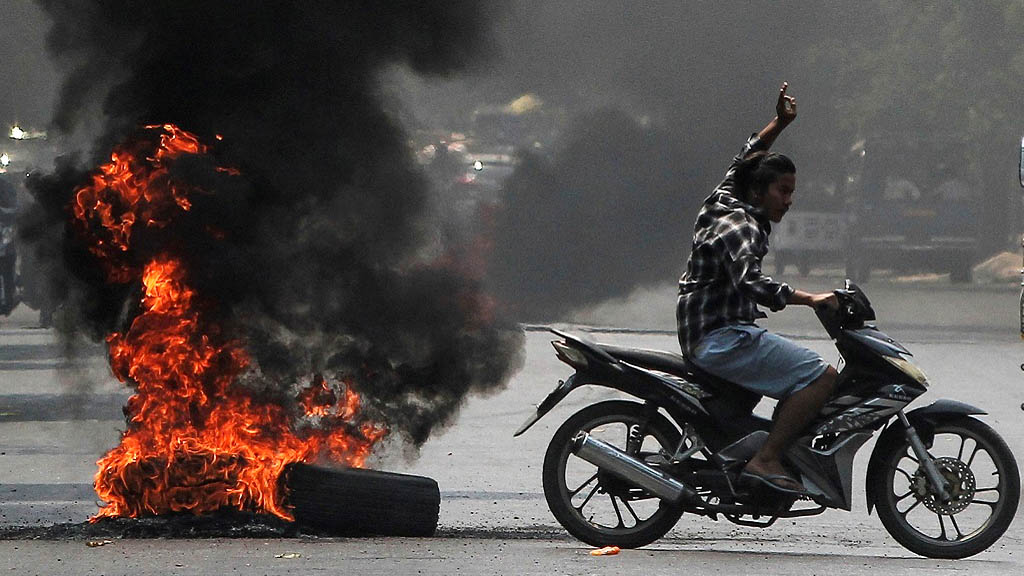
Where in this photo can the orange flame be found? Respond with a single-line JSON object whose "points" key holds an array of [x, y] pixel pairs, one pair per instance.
{"points": [[196, 439]]}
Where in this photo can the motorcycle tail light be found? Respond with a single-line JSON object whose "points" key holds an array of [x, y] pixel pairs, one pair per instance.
{"points": [[571, 356]]}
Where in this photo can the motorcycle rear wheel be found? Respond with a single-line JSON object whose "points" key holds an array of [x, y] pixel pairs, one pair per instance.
{"points": [[985, 490], [592, 505]]}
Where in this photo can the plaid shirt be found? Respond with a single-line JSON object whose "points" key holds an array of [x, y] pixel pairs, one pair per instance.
{"points": [[723, 282]]}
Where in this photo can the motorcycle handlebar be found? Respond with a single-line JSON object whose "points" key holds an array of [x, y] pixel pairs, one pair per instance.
{"points": [[853, 310]]}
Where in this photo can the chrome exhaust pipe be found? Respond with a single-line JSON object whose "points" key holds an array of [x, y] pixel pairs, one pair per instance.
{"points": [[617, 462]]}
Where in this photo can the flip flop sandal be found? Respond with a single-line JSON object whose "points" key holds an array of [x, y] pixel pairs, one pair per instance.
{"points": [[769, 481]]}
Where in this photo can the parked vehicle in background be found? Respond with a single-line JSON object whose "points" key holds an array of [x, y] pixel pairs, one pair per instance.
{"points": [[468, 175], [485, 170], [805, 239], [910, 218]]}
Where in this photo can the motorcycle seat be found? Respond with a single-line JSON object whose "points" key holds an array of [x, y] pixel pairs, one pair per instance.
{"points": [[731, 404], [670, 363]]}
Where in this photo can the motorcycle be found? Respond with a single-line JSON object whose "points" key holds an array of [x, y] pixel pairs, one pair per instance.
{"points": [[622, 472]]}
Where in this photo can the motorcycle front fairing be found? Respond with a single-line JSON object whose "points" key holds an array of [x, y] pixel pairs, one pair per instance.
{"points": [[876, 341], [873, 386], [875, 361]]}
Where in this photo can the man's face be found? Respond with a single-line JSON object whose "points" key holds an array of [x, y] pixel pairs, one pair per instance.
{"points": [[776, 200]]}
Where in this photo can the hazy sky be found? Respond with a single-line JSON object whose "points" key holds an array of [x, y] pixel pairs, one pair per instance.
{"points": [[658, 56], [30, 79]]}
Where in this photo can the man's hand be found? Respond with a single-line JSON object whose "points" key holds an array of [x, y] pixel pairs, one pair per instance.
{"points": [[785, 107], [785, 112]]}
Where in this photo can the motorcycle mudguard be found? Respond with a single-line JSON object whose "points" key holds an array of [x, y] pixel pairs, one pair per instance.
{"points": [[923, 420], [632, 380], [549, 402]]}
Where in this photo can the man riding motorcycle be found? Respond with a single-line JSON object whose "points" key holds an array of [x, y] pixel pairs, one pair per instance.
{"points": [[723, 285]]}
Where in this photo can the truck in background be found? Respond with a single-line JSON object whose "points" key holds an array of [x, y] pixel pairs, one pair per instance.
{"points": [[885, 215], [910, 218], [809, 238]]}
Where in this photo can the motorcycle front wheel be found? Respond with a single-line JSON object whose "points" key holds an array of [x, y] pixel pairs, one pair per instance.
{"points": [[594, 506], [983, 483]]}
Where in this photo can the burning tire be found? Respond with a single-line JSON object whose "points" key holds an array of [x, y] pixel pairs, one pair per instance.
{"points": [[352, 501]]}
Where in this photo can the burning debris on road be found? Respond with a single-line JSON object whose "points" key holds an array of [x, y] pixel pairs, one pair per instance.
{"points": [[251, 243], [195, 440]]}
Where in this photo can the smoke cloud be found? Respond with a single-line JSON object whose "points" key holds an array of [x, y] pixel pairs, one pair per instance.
{"points": [[607, 211], [324, 260]]}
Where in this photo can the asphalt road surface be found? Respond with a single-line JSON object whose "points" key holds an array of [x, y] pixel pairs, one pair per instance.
{"points": [[57, 416]]}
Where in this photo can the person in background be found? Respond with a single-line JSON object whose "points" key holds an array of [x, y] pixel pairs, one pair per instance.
{"points": [[8, 253]]}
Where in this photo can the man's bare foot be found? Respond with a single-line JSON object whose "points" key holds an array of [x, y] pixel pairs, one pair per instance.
{"points": [[774, 473]]}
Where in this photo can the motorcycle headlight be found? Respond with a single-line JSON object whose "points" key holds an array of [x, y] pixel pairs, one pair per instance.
{"points": [[908, 368]]}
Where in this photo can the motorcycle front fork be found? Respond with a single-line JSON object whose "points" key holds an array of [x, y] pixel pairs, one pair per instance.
{"points": [[931, 471]]}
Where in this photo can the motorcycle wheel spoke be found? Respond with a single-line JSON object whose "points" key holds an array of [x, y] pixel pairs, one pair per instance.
{"points": [[987, 503], [587, 499], [992, 489], [907, 511], [618, 513], [905, 473], [959, 534], [960, 452], [631, 512], [942, 527], [582, 486], [973, 454], [900, 498]]}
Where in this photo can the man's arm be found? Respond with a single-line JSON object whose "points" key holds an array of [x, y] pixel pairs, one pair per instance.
{"points": [[785, 113], [746, 275], [738, 243], [802, 298]]}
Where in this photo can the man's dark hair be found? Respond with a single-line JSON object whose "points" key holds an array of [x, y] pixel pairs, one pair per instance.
{"points": [[758, 170]]}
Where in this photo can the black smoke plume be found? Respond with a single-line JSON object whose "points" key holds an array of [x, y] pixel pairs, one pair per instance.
{"points": [[323, 262], [610, 210]]}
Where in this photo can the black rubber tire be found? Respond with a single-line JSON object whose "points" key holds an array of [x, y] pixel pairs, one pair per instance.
{"points": [[556, 493], [882, 482], [356, 502]]}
